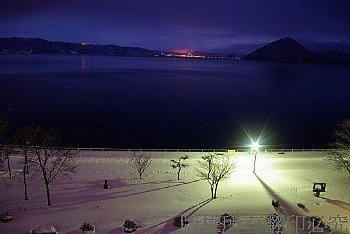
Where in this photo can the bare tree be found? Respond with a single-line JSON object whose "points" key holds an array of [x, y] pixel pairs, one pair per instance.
{"points": [[340, 156], [53, 163], [140, 163], [2, 157], [179, 164], [6, 141], [23, 138], [50, 162], [214, 169], [5, 154], [4, 125]]}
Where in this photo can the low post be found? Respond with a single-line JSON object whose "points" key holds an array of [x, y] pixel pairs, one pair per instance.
{"points": [[318, 188], [106, 185], [317, 193]]}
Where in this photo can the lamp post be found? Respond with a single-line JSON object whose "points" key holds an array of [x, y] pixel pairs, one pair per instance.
{"points": [[255, 148], [26, 157]]}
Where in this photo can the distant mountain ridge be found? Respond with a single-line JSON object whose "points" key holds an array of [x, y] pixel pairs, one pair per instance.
{"points": [[290, 51], [283, 50], [38, 45]]}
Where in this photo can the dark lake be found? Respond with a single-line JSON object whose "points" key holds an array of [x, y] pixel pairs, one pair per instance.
{"points": [[128, 102]]}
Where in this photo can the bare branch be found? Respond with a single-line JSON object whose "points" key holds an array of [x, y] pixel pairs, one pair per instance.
{"points": [[179, 164], [140, 163], [50, 161], [340, 157], [214, 169]]}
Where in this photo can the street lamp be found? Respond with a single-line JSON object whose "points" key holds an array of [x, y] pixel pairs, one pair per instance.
{"points": [[255, 148]]}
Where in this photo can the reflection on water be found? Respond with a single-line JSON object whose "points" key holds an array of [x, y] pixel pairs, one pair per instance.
{"points": [[87, 63]]}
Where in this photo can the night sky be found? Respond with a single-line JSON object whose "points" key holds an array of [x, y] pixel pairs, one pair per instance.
{"points": [[220, 25]]}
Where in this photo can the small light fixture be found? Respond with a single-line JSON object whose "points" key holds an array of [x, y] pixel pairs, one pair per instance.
{"points": [[255, 146]]}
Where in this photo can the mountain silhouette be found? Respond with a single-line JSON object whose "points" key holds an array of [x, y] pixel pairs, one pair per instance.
{"points": [[38, 45], [290, 51]]}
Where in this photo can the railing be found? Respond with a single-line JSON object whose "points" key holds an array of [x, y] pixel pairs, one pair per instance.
{"points": [[152, 150], [239, 149], [202, 150]]}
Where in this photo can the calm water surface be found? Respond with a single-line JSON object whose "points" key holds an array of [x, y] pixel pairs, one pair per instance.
{"points": [[97, 101]]}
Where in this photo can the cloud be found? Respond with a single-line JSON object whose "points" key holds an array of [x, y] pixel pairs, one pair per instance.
{"points": [[165, 23]]}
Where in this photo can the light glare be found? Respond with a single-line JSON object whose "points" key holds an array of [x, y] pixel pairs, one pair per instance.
{"points": [[255, 146]]}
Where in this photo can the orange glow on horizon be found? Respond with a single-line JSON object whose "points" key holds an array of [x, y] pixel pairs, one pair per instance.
{"points": [[182, 50]]}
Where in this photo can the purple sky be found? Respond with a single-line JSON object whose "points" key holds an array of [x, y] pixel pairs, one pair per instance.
{"points": [[231, 25]]}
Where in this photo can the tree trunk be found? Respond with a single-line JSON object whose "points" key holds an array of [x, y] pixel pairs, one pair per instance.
{"points": [[212, 191], [209, 170], [216, 189], [9, 167], [47, 193], [26, 161], [178, 173], [27, 170], [25, 183], [140, 175]]}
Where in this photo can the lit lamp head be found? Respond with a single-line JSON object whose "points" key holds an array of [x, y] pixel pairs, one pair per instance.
{"points": [[255, 146]]}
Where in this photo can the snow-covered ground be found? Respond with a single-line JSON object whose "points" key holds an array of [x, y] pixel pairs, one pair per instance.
{"points": [[156, 199]]}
